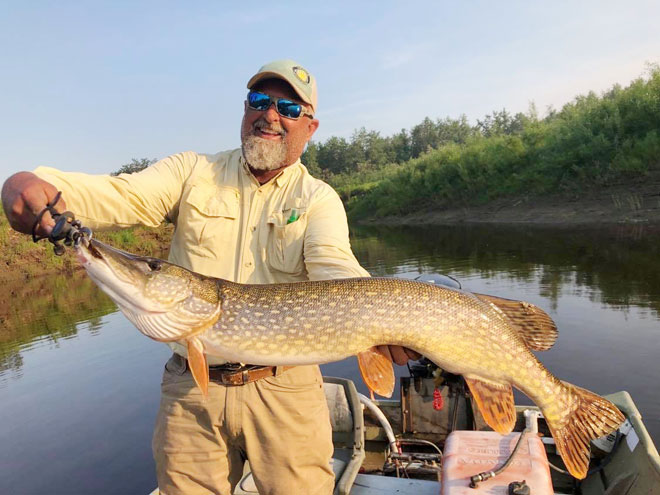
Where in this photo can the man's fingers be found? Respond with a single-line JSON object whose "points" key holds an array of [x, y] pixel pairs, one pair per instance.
{"points": [[395, 353], [400, 355], [24, 196], [412, 354], [385, 351]]}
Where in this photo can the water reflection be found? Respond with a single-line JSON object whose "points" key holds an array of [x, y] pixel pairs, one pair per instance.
{"points": [[617, 266]]}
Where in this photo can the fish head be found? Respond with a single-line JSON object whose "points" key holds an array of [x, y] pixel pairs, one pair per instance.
{"points": [[164, 301]]}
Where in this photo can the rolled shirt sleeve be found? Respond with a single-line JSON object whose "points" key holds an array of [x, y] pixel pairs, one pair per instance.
{"points": [[148, 197]]}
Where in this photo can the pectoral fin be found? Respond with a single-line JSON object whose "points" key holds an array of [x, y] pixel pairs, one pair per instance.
{"points": [[198, 365], [377, 372], [495, 402]]}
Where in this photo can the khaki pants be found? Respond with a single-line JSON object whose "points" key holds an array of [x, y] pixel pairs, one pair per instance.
{"points": [[280, 424]]}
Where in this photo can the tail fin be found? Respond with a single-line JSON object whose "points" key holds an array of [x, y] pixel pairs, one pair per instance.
{"points": [[590, 417]]}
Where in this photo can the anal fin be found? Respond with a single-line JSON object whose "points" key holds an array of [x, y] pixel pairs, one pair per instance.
{"points": [[198, 365], [495, 402], [377, 372]]}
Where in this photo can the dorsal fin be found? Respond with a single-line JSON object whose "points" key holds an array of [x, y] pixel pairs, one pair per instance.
{"points": [[377, 372], [533, 324], [495, 402]]}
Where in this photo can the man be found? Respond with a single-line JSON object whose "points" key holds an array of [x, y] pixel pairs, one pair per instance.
{"points": [[251, 215]]}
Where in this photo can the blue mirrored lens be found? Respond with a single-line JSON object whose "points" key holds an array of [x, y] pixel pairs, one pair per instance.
{"points": [[258, 101], [288, 108]]}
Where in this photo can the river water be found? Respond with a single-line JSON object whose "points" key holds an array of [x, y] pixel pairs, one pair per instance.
{"points": [[79, 386]]}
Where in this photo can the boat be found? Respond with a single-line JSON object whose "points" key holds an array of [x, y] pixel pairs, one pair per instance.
{"points": [[433, 440], [389, 447]]}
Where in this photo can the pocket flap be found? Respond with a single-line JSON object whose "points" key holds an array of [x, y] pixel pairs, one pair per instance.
{"points": [[215, 201], [297, 203]]}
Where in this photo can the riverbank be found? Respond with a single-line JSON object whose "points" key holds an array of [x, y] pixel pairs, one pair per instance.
{"points": [[635, 203], [20, 258]]}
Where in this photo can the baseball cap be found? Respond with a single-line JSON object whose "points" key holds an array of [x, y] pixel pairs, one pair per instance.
{"points": [[303, 83]]}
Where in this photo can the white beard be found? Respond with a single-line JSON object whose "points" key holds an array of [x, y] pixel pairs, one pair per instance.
{"points": [[262, 154]]}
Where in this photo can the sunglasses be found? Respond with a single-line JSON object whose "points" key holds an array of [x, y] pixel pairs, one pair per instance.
{"points": [[286, 108]]}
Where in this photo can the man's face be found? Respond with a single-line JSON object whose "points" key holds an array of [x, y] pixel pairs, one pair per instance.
{"points": [[269, 140]]}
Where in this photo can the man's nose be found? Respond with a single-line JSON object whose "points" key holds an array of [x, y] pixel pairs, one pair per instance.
{"points": [[271, 114]]}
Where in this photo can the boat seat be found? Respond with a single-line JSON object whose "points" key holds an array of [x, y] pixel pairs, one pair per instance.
{"points": [[347, 437]]}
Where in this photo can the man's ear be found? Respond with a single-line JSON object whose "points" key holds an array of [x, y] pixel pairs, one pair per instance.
{"points": [[311, 128]]}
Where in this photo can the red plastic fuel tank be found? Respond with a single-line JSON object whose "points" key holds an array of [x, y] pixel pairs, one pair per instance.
{"points": [[468, 453]]}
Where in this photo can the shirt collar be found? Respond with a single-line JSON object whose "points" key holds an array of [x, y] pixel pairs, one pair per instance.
{"points": [[280, 178], [286, 173]]}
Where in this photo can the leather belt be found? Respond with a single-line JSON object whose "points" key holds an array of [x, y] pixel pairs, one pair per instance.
{"points": [[246, 375], [236, 374]]}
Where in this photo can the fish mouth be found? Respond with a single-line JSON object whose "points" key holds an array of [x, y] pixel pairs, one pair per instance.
{"points": [[124, 287]]}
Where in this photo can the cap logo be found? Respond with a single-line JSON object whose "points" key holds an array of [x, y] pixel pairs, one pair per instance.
{"points": [[301, 74]]}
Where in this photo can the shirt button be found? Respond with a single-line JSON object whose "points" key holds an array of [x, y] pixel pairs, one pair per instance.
{"points": [[253, 228], [248, 264]]}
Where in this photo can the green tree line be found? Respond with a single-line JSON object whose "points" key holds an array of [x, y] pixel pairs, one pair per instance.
{"points": [[593, 141]]}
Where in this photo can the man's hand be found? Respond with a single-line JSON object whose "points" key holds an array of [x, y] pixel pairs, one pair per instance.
{"points": [[400, 355], [24, 196]]}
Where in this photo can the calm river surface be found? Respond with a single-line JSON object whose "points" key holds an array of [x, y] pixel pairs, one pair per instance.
{"points": [[79, 386]]}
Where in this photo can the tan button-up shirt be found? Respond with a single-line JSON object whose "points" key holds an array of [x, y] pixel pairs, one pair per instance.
{"points": [[227, 225]]}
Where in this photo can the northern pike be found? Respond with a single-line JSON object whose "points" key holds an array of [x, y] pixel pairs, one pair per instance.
{"points": [[484, 338]]}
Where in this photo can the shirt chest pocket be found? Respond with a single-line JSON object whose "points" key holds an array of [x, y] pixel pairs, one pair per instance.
{"points": [[211, 218], [286, 236]]}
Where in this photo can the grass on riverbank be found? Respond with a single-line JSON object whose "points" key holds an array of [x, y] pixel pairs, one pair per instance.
{"points": [[21, 258], [593, 142]]}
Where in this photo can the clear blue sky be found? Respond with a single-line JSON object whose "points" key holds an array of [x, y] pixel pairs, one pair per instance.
{"points": [[87, 86]]}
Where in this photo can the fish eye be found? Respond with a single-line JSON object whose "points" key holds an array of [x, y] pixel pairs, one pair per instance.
{"points": [[154, 265]]}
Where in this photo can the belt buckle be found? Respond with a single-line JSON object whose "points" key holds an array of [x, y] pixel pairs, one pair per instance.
{"points": [[235, 378]]}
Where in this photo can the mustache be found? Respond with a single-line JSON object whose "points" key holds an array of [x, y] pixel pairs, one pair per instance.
{"points": [[265, 126]]}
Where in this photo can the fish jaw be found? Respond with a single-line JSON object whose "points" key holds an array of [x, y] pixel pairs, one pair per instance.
{"points": [[165, 302]]}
